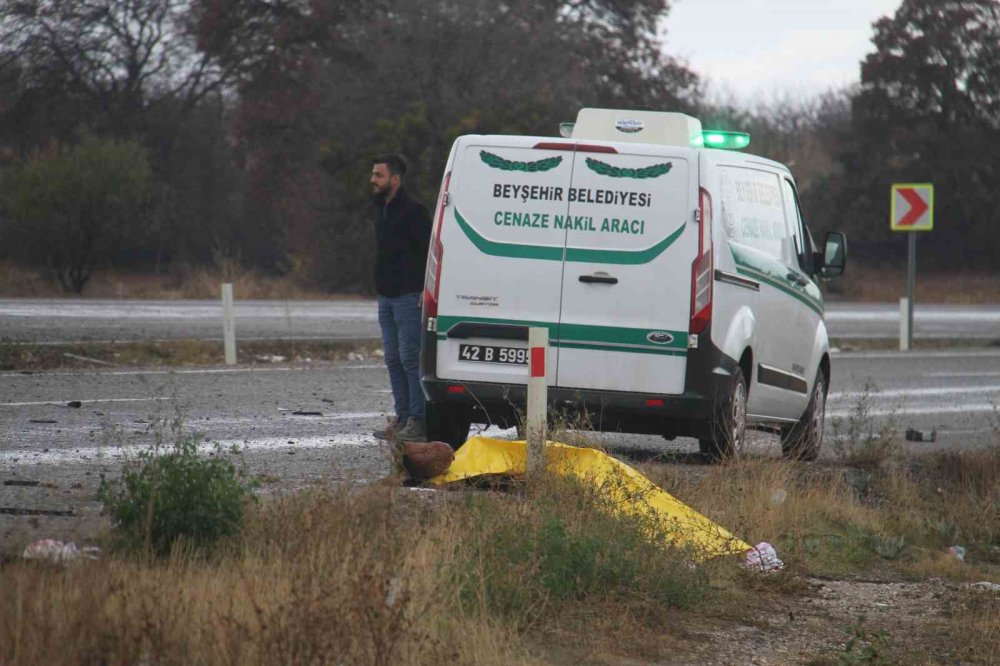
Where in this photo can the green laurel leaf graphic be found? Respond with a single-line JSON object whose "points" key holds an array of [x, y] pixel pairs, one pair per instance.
{"points": [[498, 162], [604, 169]]}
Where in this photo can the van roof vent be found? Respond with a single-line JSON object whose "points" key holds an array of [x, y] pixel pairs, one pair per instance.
{"points": [[671, 129]]}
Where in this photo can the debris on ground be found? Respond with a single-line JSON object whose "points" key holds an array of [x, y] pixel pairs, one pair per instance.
{"points": [[21, 511], [763, 558], [913, 435], [271, 358], [75, 404], [58, 551], [984, 586], [87, 359], [20, 482], [958, 552]]}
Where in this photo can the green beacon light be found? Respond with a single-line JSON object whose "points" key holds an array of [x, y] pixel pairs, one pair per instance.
{"points": [[723, 140]]}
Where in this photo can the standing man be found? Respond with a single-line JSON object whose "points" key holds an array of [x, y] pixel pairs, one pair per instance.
{"points": [[403, 231]]}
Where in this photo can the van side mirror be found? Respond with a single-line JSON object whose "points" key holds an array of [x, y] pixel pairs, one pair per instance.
{"points": [[834, 257]]}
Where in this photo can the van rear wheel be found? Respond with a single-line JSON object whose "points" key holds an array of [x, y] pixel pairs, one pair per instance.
{"points": [[447, 423], [729, 427], [802, 441]]}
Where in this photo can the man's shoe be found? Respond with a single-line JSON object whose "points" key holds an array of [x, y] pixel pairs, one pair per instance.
{"points": [[391, 428], [413, 431]]}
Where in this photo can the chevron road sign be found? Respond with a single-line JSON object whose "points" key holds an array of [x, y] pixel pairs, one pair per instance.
{"points": [[912, 207], [912, 210]]}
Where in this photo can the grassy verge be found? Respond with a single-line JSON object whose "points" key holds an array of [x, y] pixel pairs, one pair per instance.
{"points": [[17, 281], [383, 575], [171, 353], [860, 284], [357, 576], [864, 284]]}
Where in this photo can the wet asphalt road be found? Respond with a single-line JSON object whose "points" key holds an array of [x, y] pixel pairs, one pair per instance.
{"points": [[25, 320], [65, 451], [952, 392]]}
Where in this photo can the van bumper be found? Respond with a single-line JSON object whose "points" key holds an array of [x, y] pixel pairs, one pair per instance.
{"points": [[708, 382]]}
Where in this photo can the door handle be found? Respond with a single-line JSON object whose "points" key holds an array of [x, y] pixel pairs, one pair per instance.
{"points": [[598, 278], [794, 277]]}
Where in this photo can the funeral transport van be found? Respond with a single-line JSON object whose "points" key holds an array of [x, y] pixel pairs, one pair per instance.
{"points": [[674, 272]]}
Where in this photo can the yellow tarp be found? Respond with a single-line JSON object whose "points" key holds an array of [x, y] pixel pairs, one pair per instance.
{"points": [[631, 492]]}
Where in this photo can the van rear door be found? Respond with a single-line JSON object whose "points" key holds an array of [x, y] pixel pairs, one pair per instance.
{"points": [[501, 268], [631, 239]]}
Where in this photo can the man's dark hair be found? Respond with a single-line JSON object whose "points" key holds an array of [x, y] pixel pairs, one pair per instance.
{"points": [[394, 162]]}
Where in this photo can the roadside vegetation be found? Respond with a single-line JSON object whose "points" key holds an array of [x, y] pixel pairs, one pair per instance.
{"points": [[498, 574], [860, 284]]}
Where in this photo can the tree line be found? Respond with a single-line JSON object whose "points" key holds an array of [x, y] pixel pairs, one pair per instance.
{"points": [[153, 134]]}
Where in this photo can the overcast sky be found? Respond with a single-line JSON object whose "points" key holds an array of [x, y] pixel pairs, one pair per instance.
{"points": [[759, 48]]}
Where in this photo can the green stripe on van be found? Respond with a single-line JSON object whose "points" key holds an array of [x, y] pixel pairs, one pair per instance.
{"points": [[765, 271], [556, 253], [625, 350], [584, 336], [563, 344]]}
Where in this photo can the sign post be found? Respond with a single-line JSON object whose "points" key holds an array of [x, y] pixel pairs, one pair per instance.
{"points": [[228, 324], [536, 417], [912, 210]]}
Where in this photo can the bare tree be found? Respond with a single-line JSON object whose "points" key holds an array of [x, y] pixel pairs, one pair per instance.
{"points": [[117, 57]]}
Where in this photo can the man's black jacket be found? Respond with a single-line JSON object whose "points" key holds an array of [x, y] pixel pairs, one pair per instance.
{"points": [[404, 234]]}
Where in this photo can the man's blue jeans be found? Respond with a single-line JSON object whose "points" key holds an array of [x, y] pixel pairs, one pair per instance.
{"points": [[399, 318]]}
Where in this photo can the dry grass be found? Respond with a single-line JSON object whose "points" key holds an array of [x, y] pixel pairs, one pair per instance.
{"points": [[974, 627], [17, 281], [866, 284], [859, 284], [361, 576], [381, 575], [842, 521], [333, 578], [32, 358]]}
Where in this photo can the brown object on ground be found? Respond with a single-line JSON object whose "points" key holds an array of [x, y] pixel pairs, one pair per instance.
{"points": [[423, 460]]}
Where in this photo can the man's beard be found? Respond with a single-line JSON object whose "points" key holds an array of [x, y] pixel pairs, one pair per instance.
{"points": [[380, 196]]}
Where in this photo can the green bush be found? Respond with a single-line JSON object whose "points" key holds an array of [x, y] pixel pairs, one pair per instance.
{"points": [[162, 498], [566, 546], [72, 207]]}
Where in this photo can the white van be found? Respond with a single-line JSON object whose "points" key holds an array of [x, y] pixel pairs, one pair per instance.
{"points": [[676, 278]]}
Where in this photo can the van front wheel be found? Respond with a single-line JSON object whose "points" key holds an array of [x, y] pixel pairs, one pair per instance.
{"points": [[729, 427], [802, 441], [447, 423]]}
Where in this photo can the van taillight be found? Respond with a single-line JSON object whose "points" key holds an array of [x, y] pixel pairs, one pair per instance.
{"points": [[701, 269], [435, 255]]}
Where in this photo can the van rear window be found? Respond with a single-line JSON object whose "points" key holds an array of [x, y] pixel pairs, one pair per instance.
{"points": [[751, 210]]}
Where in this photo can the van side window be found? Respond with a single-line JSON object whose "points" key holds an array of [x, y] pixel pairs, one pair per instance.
{"points": [[752, 212], [802, 242]]}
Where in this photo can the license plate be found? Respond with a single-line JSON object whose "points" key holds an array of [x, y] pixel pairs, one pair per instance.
{"points": [[489, 354]]}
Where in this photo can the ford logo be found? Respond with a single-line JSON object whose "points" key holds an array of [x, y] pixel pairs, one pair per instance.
{"points": [[629, 126], [660, 338]]}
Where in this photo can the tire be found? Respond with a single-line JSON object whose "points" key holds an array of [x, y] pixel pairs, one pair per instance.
{"points": [[447, 423], [803, 440], [729, 427]]}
